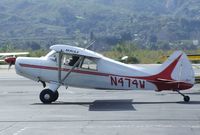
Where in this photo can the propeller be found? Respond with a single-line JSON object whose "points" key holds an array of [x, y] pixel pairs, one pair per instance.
{"points": [[10, 61]]}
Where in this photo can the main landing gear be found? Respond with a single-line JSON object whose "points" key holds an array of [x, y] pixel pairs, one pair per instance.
{"points": [[185, 98], [47, 96]]}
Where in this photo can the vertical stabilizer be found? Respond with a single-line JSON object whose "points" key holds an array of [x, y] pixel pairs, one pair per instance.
{"points": [[178, 68]]}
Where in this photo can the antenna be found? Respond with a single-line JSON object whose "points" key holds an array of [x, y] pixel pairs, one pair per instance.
{"points": [[90, 44]]}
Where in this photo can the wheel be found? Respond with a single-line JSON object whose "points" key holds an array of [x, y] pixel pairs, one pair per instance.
{"points": [[56, 95], [186, 98], [47, 96]]}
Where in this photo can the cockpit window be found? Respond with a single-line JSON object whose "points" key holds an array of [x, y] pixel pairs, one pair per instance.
{"points": [[69, 60], [73, 60], [89, 64], [52, 56]]}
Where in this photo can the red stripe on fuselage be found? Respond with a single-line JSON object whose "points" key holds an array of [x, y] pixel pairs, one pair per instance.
{"points": [[161, 85], [64, 69]]}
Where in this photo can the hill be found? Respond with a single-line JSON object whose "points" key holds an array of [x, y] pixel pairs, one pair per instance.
{"points": [[153, 24]]}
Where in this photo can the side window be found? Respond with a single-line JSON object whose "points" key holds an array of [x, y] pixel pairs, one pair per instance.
{"points": [[69, 60], [73, 60], [89, 64], [65, 59]]}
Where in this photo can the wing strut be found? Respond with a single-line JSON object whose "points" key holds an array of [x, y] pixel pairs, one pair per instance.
{"points": [[59, 65], [69, 72], [61, 80]]}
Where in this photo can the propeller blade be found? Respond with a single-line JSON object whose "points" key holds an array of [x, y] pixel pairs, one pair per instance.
{"points": [[10, 65]]}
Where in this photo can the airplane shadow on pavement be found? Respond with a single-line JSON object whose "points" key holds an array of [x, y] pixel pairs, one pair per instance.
{"points": [[112, 105], [115, 105]]}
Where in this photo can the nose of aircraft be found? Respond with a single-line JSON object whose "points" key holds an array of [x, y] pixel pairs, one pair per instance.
{"points": [[17, 65], [27, 67]]}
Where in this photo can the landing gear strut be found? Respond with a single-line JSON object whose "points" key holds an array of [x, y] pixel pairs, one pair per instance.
{"points": [[185, 98], [50, 94], [47, 96]]}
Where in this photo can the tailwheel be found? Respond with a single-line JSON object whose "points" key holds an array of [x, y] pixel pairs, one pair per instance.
{"points": [[185, 98], [47, 96]]}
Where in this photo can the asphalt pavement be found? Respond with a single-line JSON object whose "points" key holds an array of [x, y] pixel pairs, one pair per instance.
{"points": [[94, 112]]}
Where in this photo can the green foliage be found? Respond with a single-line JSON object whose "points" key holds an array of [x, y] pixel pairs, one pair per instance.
{"points": [[125, 48], [6, 47], [152, 24], [37, 53], [131, 59], [144, 56]]}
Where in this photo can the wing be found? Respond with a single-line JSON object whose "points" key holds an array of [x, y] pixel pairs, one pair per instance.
{"points": [[67, 49], [14, 53]]}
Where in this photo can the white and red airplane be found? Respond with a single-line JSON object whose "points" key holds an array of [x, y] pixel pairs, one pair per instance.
{"points": [[73, 66], [10, 57]]}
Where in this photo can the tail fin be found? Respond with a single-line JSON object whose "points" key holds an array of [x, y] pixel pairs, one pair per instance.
{"points": [[177, 68]]}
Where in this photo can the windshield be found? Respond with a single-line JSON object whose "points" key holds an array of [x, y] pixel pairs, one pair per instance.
{"points": [[51, 53]]}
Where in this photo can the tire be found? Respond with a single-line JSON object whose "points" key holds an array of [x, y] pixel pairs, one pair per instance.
{"points": [[186, 98], [56, 95], [47, 96]]}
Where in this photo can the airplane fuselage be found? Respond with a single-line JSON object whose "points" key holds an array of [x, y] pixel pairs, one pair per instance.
{"points": [[109, 74]]}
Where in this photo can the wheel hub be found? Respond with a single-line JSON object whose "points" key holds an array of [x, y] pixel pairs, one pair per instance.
{"points": [[47, 96]]}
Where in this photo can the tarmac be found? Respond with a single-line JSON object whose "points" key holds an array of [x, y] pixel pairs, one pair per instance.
{"points": [[81, 111]]}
